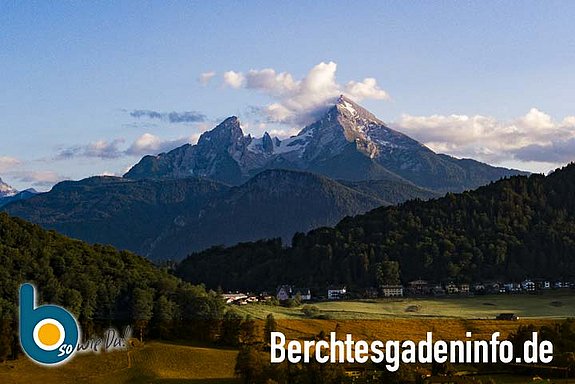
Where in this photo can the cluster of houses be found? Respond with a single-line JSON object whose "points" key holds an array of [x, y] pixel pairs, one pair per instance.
{"points": [[286, 292], [239, 298], [413, 288], [425, 288]]}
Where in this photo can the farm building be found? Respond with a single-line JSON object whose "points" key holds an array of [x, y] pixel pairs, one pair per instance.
{"points": [[336, 293], [392, 290]]}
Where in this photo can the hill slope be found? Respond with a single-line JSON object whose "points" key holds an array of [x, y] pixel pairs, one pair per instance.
{"points": [[169, 218], [125, 213], [99, 284], [275, 203], [512, 229]]}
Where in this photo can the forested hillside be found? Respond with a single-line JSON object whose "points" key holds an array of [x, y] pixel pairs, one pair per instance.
{"points": [[169, 218], [99, 284], [512, 229]]}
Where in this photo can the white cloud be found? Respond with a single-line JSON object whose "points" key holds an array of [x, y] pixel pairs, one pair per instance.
{"points": [[532, 137], [367, 89], [283, 133], [300, 101], [42, 178], [233, 79], [108, 173], [101, 149], [205, 77], [146, 144], [267, 79], [149, 144], [8, 163]]}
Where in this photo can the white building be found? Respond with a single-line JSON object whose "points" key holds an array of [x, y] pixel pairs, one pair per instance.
{"points": [[336, 293], [392, 290]]}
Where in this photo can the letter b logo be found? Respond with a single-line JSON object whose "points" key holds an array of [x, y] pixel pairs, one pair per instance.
{"points": [[48, 334]]}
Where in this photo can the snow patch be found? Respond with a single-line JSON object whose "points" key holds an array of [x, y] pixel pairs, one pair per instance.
{"points": [[294, 143], [347, 106], [256, 145]]}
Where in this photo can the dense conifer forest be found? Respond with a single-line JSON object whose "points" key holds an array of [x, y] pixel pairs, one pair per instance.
{"points": [[516, 228]]}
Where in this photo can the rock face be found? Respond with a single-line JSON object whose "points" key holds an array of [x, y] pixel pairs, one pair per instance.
{"points": [[347, 143]]}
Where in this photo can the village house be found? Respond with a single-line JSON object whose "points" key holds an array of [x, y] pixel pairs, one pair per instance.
{"points": [[284, 292], [437, 290], [392, 290], [561, 284], [528, 285], [451, 289], [370, 293], [234, 297], [418, 287], [492, 287], [304, 293], [479, 288], [510, 287], [336, 293], [541, 284]]}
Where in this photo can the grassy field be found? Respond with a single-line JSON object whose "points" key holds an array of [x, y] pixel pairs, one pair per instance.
{"points": [[153, 363], [553, 304]]}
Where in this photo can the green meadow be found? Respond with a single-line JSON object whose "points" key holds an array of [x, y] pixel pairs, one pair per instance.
{"points": [[549, 305]]}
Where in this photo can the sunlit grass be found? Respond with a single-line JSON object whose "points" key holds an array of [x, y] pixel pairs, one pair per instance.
{"points": [[552, 304], [155, 362]]}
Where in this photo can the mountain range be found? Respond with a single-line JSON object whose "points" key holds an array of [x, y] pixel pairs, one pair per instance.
{"points": [[231, 187], [347, 143], [168, 218]]}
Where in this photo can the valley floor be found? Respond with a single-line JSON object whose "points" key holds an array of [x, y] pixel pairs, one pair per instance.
{"points": [[549, 305], [397, 319]]}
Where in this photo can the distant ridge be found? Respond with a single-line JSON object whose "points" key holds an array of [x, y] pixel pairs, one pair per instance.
{"points": [[170, 217]]}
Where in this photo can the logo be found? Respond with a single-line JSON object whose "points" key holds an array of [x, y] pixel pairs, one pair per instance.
{"points": [[49, 334]]}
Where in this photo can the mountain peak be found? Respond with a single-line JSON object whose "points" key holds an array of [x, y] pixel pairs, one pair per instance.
{"points": [[227, 132], [351, 110], [348, 143]]}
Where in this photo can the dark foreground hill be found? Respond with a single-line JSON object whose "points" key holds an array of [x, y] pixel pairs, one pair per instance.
{"points": [[512, 229], [124, 213], [100, 285]]}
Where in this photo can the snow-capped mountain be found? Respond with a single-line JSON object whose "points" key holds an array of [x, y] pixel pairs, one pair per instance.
{"points": [[347, 143], [6, 190]]}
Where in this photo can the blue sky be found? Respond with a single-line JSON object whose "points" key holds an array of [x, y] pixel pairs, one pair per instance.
{"points": [[492, 80]]}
